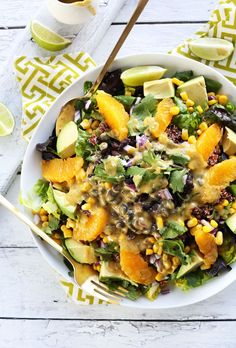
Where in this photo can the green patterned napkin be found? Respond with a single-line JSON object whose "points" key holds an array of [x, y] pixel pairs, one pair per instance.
{"points": [[43, 79], [222, 24]]}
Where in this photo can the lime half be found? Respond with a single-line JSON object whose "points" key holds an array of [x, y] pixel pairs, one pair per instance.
{"points": [[137, 76], [211, 48], [7, 122], [46, 38]]}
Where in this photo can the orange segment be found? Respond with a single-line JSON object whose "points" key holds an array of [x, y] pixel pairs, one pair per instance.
{"points": [[208, 140], [222, 173], [207, 246], [90, 227], [163, 117], [133, 265], [114, 114], [59, 170]]}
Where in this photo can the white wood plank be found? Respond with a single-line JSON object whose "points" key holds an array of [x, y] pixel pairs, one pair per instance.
{"points": [[30, 289], [64, 334], [18, 12]]}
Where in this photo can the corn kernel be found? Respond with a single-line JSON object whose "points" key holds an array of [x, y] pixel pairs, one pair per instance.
{"points": [[231, 211], [214, 223], [70, 223], [192, 222], [212, 102], [167, 264], [219, 238], [165, 257], [86, 124], [223, 99], [207, 229], [155, 248], [203, 126], [149, 251], [159, 222], [225, 203], [91, 200], [97, 268], [86, 206], [177, 82], [234, 205], [44, 218], [219, 207], [160, 277], [199, 132], [189, 102], [105, 240], [66, 231], [45, 224], [195, 229], [174, 110], [108, 185], [85, 187], [152, 240], [184, 134], [90, 131], [211, 94], [205, 266], [184, 96], [176, 260], [192, 139], [95, 124], [43, 212], [190, 109], [199, 109]]}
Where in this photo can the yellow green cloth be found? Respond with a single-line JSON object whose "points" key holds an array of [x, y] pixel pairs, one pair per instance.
{"points": [[43, 79]]}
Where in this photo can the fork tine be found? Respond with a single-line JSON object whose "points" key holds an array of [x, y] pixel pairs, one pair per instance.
{"points": [[100, 295], [105, 290]]}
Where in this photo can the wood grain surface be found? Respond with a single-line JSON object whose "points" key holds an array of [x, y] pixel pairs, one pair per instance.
{"points": [[34, 310]]}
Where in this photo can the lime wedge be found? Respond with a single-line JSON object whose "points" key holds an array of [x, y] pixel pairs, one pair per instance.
{"points": [[211, 48], [46, 38], [7, 122], [137, 76]]}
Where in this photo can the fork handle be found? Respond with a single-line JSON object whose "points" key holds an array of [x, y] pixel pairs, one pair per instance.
{"points": [[4, 202]]}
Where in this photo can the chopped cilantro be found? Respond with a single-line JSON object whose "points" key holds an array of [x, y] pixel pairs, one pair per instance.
{"points": [[175, 248], [177, 180], [172, 230]]}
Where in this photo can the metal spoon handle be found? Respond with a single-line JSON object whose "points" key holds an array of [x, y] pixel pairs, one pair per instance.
{"points": [[139, 9]]}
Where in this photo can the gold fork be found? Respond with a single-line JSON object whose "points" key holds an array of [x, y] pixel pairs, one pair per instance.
{"points": [[139, 9], [84, 275]]}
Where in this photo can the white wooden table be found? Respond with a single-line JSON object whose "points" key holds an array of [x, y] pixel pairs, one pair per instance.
{"points": [[34, 311]]}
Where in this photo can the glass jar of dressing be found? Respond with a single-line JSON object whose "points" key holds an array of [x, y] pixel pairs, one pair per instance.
{"points": [[73, 11]]}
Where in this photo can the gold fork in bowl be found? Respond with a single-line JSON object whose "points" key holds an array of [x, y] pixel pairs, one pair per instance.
{"points": [[84, 275], [139, 9]]}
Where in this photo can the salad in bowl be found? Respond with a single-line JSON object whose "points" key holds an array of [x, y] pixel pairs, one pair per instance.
{"points": [[139, 181]]}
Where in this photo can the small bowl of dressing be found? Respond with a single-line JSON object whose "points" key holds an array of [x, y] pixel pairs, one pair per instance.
{"points": [[73, 11]]}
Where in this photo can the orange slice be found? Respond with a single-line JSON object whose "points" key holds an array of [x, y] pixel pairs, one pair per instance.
{"points": [[207, 246], [133, 265], [208, 140], [59, 170], [114, 114]]}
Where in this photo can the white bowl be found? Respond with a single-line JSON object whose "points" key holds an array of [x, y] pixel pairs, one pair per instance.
{"points": [[31, 170], [71, 13]]}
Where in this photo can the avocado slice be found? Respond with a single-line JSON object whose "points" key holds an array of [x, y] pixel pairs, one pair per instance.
{"points": [[195, 261], [67, 139], [111, 270], [67, 114], [196, 91], [62, 202], [80, 252], [153, 292], [229, 142], [159, 89], [231, 223]]}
